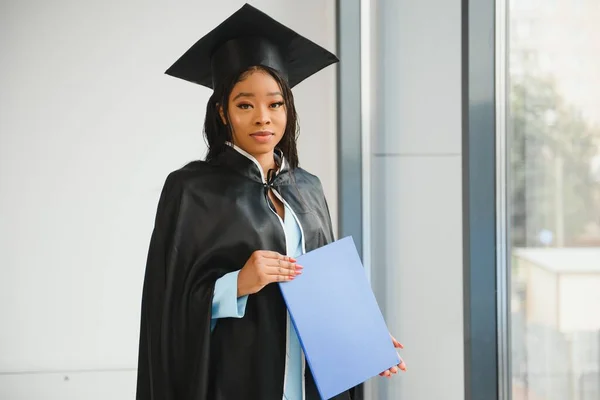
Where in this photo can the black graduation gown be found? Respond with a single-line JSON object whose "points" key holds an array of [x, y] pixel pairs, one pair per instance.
{"points": [[211, 217]]}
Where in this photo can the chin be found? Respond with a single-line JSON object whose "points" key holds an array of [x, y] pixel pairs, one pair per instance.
{"points": [[259, 148], [262, 149]]}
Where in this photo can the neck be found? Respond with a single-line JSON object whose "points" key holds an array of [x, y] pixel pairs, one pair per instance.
{"points": [[266, 161]]}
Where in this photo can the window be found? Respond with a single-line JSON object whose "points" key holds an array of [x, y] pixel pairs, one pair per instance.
{"points": [[553, 161]]}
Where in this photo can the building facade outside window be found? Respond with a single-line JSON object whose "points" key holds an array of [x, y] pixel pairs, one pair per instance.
{"points": [[553, 198]]}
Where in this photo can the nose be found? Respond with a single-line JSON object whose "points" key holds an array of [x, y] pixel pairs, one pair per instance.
{"points": [[262, 116]]}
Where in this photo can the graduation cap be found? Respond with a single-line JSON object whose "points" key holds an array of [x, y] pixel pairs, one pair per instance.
{"points": [[250, 38]]}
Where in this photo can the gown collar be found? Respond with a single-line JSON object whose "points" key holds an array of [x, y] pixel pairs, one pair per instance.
{"points": [[245, 164]]}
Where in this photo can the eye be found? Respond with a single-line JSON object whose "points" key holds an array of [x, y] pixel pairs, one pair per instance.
{"points": [[244, 106], [278, 104]]}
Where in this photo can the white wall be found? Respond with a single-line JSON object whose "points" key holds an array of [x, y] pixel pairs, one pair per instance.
{"points": [[416, 227], [89, 129]]}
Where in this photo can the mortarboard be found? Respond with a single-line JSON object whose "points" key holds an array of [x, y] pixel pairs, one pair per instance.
{"points": [[249, 38]]}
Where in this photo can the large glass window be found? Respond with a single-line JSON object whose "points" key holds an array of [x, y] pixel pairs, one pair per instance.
{"points": [[553, 165]]}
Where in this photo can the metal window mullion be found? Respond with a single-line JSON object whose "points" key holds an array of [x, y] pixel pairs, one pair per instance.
{"points": [[502, 181]]}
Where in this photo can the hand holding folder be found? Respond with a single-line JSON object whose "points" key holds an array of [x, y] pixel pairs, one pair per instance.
{"points": [[402, 366], [337, 319]]}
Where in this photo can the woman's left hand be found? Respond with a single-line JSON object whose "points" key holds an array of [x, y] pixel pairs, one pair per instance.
{"points": [[402, 366]]}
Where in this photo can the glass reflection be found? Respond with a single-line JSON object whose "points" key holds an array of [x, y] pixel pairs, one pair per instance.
{"points": [[554, 198]]}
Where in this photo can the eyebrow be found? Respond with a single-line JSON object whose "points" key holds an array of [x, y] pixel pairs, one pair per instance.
{"points": [[244, 94]]}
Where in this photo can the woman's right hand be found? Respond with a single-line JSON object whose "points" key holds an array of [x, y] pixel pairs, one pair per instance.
{"points": [[264, 267]]}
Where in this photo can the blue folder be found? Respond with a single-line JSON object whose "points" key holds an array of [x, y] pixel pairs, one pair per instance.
{"points": [[339, 324]]}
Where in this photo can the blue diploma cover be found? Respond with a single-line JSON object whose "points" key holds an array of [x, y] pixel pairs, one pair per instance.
{"points": [[340, 326]]}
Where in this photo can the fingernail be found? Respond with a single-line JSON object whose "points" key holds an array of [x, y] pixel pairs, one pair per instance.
{"points": [[298, 273], [299, 266]]}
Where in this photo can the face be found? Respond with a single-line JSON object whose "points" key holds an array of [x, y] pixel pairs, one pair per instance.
{"points": [[257, 113]]}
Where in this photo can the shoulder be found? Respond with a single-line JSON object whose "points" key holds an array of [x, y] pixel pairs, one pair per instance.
{"points": [[303, 177], [192, 171], [189, 175]]}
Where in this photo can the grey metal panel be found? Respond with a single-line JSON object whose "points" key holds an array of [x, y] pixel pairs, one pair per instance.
{"points": [[419, 63], [418, 242], [349, 122], [479, 200], [350, 205]]}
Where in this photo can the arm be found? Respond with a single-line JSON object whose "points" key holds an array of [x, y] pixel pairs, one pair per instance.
{"points": [[329, 225], [226, 303]]}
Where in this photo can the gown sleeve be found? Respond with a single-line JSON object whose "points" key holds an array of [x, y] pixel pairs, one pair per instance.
{"points": [[329, 225], [225, 302], [174, 345], [153, 357]]}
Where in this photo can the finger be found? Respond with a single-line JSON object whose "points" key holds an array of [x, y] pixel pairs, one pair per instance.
{"points": [[280, 271], [281, 262], [397, 344], [282, 268], [273, 255], [402, 366], [284, 278], [279, 278]]}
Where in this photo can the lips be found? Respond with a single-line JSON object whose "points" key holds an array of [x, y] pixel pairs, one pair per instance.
{"points": [[262, 134], [262, 137]]}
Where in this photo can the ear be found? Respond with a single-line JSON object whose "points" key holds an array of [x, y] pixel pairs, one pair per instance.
{"points": [[221, 114]]}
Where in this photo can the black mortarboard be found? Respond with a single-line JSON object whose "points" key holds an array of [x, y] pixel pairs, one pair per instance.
{"points": [[249, 38]]}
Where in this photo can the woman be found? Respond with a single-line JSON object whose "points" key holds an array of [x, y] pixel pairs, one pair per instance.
{"points": [[213, 324]]}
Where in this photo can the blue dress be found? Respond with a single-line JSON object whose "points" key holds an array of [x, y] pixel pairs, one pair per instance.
{"points": [[226, 304]]}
